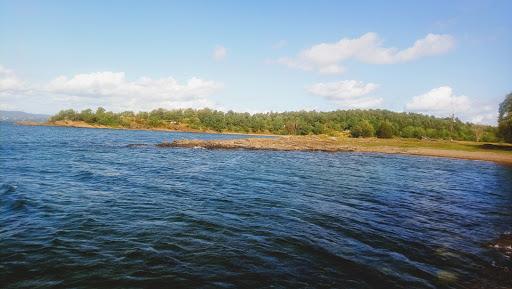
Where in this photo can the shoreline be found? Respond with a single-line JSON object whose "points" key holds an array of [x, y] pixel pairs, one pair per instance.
{"points": [[81, 124], [497, 153], [333, 144]]}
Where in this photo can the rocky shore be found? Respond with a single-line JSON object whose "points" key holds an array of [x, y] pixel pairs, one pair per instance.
{"points": [[460, 150]]}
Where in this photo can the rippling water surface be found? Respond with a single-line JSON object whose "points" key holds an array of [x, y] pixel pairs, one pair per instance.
{"points": [[79, 208]]}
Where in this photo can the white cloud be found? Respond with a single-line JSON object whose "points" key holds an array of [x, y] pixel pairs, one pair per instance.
{"points": [[432, 44], [220, 52], [342, 89], [327, 58], [9, 82], [111, 90], [347, 93], [485, 117], [439, 101], [115, 84], [443, 102]]}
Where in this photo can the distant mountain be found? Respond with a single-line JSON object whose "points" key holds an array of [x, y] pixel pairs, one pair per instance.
{"points": [[21, 116]]}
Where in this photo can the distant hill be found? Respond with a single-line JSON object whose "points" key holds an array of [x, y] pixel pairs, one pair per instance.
{"points": [[21, 116]]}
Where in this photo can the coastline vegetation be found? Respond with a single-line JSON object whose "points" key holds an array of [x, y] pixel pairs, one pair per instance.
{"points": [[505, 119], [357, 123]]}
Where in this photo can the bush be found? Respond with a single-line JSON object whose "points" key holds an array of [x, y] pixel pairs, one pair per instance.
{"points": [[385, 130], [362, 129], [413, 132]]}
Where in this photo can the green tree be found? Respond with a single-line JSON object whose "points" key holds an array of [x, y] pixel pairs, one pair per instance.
{"points": [[505, 119], [361, 123], [362, 129], [87, 115], [385, 130]]}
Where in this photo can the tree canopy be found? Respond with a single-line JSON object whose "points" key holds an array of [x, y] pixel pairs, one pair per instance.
{"points": [[359, 123], [363, 129], [385, 130], [505, 119]]}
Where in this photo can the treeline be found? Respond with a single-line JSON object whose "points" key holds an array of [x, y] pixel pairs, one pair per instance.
{"points": [[358, 123]]}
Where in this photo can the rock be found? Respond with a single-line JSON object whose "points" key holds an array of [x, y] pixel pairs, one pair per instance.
{"points": [[446, 277], [133, 145], [502, 244]]}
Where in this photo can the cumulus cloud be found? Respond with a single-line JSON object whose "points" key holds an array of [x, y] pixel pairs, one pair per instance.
{"points": [[9, 81], [327, 58], [347, 93], [112, 90], [485, 116], [439, 101], [220, 52], [115, 84], [432, 44], [443, 102], [342, 89]]}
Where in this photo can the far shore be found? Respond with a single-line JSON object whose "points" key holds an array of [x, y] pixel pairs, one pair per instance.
{"points": [[82, 124], [498, 153]]}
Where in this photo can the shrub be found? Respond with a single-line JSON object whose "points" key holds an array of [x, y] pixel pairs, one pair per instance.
{"points": [[362, 129], [385, 130]]}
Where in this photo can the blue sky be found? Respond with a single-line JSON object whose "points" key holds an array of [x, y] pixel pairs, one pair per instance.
{"points": [[271, 56]]}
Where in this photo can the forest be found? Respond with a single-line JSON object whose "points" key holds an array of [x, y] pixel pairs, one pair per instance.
{"points": [[356, 123]]}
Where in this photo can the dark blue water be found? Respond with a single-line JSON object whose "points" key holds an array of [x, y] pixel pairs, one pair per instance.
{"points": [[81, 209]]}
